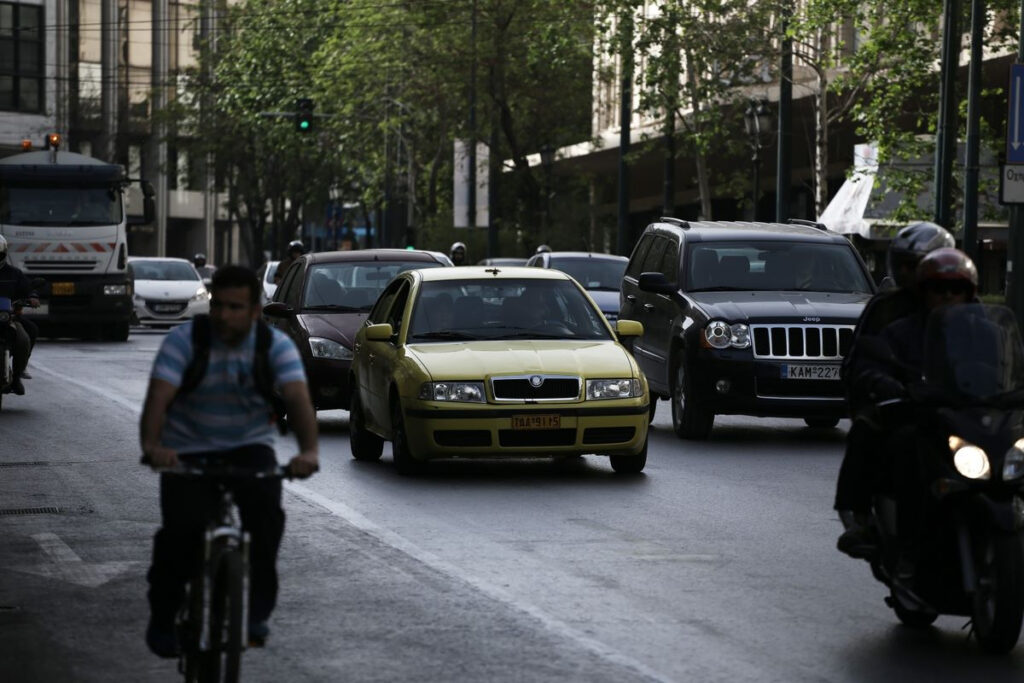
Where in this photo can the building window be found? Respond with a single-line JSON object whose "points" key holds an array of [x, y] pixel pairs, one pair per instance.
{"points": [[21, 57]]}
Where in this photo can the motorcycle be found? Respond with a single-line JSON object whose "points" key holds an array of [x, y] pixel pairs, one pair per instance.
{"points": [[966, 417], [6, 347]]}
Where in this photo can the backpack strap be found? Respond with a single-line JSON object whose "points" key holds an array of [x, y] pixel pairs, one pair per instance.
{"points": [[196, 369], [263, 375]]}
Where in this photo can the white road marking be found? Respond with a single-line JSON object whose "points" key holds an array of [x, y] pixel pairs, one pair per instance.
{"points": [[64, 564], [109, 395], [402, 544]]}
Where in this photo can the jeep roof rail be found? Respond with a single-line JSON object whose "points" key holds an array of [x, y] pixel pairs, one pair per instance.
{"points": [[809, 224], [675, 221]]}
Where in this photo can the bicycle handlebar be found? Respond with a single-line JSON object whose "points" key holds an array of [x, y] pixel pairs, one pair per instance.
{"points": [[223, 471]]}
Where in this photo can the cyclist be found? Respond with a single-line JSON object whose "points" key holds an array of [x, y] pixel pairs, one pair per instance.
{"points": [[224, 417]]}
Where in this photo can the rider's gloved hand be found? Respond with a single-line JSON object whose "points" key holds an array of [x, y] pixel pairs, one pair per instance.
{"points": [[885, 387], [304, 464]]}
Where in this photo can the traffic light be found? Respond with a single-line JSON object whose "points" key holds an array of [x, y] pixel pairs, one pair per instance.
{"points": [[304, 115]]}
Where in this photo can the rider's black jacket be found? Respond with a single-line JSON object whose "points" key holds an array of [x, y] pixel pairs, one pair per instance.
{"points": [[14, 284], [858, 372]]}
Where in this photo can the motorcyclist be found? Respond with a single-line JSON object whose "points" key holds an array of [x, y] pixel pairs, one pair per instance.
{"points": [[15, 285], [457, 253], [205, 271], [543, 249], [853, 487], [295, 249], [944, 277]]}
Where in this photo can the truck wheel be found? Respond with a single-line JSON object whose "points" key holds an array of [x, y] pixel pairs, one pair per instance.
{"points": [[689, 420]]}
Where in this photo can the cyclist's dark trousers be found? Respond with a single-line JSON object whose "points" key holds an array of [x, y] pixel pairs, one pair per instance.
{"points": [[177, 547]]}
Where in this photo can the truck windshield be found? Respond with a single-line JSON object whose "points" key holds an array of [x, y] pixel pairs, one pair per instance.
{"points": [[59, 206]]}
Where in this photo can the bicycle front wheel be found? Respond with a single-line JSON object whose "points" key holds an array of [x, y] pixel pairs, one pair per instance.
{"points": [[224, 659]]}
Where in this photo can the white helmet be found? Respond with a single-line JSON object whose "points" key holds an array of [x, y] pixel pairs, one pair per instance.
{"points": [[3, 250]]}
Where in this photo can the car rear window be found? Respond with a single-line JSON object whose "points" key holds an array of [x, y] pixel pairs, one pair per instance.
{"points": [[593, 273], [353, 284], [773, 266]]}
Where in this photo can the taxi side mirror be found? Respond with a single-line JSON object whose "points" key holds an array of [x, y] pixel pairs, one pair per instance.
{"points": [[380, 332], [629, 328]]}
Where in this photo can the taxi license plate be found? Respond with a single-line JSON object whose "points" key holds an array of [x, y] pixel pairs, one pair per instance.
{"points": [[62, 288], [536, 421], [829, 372]]}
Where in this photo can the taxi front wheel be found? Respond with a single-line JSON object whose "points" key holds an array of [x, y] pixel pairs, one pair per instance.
{"points": [[630, 464], [365, 445], [400, 452]]}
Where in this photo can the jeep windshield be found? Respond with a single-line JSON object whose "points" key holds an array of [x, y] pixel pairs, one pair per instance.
{"points": [[773, 266]]}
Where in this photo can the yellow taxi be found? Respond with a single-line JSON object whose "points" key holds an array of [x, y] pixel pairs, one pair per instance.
{"points": [[495, 361]]}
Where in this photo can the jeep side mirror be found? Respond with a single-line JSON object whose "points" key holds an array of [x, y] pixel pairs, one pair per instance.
{"points": [[656, 282]]}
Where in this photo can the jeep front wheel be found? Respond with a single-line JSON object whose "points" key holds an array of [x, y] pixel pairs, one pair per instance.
{"points": [[689, 420]]}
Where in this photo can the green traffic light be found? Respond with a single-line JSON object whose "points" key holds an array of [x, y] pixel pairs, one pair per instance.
{"points": [[304, 125]]}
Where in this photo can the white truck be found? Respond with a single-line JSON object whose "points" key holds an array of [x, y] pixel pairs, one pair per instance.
{"points": [[64, 218]]}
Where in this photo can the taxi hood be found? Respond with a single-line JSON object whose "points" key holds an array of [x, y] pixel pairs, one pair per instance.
{"points": [[483, 359]]}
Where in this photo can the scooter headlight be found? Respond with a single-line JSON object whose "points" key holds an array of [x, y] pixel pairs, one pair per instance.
{"points": [[1013, 463], [969, 460]]}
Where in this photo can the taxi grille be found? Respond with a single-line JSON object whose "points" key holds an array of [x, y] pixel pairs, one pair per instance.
{"points": [[522, 388], [462, 437], [801, 341]]}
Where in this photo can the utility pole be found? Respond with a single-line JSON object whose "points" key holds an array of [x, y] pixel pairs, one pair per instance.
{"points": [[1015, 239], [471, 199], [625, 120], [970, 241], [161, 36], [945, 141], [785, 137]]}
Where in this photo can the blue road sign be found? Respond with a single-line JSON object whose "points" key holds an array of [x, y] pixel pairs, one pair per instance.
{"points": [[1015, 116]]}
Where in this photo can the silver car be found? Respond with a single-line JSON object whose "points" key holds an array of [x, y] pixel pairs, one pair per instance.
{"points": [[167, 290]]}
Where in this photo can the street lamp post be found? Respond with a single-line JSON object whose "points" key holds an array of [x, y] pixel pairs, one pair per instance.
{"points": [[758, 122], [547, 161]]}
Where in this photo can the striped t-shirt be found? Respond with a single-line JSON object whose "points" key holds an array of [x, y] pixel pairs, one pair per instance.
{"points": [[226, 410]]}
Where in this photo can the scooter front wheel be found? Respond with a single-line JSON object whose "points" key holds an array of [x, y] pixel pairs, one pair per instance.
{"points": [[999, 595]]}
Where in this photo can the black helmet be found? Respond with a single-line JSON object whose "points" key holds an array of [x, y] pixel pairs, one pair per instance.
{"points": [[199, 260], [543, 248], [910, 245], [296, 245]]}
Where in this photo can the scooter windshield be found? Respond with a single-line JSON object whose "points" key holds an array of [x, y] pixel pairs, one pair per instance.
{"points": [[974, 351]]}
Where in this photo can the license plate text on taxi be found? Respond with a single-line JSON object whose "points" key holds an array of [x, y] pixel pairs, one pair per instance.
{"points": [[536, 421], [810, 372]]}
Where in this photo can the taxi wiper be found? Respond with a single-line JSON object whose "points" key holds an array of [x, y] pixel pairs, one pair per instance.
{"points": [[535, 335], [331, 307], [720, 288], [445, 335]]}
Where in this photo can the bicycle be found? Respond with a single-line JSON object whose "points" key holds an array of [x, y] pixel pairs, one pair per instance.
{"points": [[211, 622]]}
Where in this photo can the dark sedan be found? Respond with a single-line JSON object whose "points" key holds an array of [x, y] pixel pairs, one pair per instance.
{"points": [[322, 301], [599, 274]]}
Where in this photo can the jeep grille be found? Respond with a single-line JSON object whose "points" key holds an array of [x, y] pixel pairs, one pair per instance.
{"points": [[826, 342]]}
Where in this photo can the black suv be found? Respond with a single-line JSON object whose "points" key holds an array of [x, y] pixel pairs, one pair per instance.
{"points": [[744, 318]]}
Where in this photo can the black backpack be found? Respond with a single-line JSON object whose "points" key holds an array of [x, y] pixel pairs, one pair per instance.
{"points": [[262, 372]]}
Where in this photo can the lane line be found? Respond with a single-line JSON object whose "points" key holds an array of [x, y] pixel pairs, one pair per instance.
{"points": [[400, 543], [405, 546]]}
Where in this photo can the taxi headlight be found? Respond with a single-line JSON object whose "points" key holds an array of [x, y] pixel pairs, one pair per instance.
{"points": [[721, 335], [115, 290], [613, 388], [465, 392], [1013, 463], [969, 460], [328, 348]]}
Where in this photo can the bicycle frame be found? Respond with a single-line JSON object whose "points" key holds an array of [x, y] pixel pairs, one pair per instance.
{"points": [[223, 534]]}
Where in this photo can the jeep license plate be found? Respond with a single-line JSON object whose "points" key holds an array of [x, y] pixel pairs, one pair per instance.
{"points": [[536, 421], [810, 372]]}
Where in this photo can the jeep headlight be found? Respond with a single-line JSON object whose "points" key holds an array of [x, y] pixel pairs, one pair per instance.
{"points": [[721, 335], [328, 348], [613, 388], [115, 290], [969, 460], [202, 294], [465, 392], [1013, 463]]}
